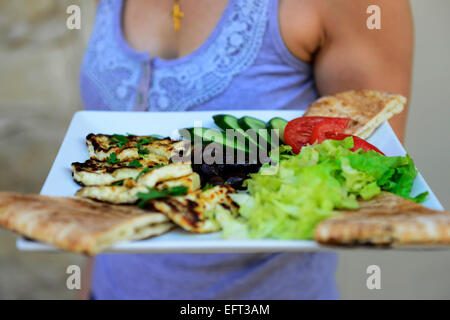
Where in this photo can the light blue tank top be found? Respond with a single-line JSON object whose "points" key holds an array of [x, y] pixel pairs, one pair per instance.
{"points": [[244, 64]]}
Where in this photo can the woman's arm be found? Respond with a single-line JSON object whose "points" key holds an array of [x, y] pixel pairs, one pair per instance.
{"points": [[86, 275], [353, 57]]}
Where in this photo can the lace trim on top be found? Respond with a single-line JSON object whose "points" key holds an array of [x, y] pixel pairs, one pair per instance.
{"points": [[129, 80]]}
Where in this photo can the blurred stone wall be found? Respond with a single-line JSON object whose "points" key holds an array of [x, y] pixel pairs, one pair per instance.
{"points": [[39, 63]]}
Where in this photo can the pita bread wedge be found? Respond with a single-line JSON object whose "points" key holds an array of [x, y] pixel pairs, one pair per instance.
{"points": [[367, 109], [78, 225], [386, 220]]}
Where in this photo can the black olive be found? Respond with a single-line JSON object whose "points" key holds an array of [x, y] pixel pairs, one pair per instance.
{"points": [[216, 180], [235, 182], [209, 170]]}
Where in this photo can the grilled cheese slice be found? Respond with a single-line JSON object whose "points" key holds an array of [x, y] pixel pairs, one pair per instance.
{"points": [[191, 182], [101, 146], [192, 211], [159, 178], [94, 172]]}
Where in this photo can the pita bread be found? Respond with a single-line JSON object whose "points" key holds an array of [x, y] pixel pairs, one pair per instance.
{"points": [[78, 225], [386, 220], [367, 109]]}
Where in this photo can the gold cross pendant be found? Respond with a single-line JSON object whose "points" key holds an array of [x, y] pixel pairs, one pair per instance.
{"points": [[177, 15]]}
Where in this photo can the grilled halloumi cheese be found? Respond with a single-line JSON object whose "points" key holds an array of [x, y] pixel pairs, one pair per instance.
{"points": [[191, 211], [94, 172], [191, 182], [159, 178], [101, 146]]}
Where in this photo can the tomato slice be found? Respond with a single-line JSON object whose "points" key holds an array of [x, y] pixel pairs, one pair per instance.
{"points": [[297, 132], [358, 143], [326, 129]]}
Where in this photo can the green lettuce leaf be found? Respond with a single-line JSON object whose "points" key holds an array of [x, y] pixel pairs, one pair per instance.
{"points": [[311, 186]]}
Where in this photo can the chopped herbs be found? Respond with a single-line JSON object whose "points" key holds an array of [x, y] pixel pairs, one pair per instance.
{"points": [[157, 194], [119, 140], [118, 183], [141, 150], [147, 169], [146, 141], [135, 164], [144, 171], [112, 159], [207, 186]]}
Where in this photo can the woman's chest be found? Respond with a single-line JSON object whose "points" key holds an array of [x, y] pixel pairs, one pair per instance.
{"points": [[149, 25]]}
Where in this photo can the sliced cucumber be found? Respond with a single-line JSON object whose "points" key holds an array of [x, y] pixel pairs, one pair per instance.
{"points": [[225, 121], [251, 123], [280, 124], [258, 126], [210, 135]]}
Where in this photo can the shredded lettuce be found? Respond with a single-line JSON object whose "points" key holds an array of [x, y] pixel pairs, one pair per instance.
{"points": [[311, 186]]}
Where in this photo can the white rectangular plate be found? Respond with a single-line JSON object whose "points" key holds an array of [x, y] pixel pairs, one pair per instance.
{"points": [[73, 149]]}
